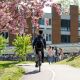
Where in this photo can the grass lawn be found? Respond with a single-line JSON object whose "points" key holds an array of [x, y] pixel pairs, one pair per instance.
{"points": [[73, 61], [9, 70]]}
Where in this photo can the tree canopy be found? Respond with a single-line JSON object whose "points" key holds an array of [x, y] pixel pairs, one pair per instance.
{"points": [[14, 13]]}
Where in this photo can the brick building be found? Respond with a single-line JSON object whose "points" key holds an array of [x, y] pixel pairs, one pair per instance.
{"points": [[61, 29]]}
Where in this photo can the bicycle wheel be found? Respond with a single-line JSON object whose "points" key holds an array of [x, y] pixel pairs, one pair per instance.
{"points": [[39, 66], [39, 62]]}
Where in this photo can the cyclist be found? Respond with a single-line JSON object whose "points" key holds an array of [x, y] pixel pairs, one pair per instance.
{"points": [[39, 44]]}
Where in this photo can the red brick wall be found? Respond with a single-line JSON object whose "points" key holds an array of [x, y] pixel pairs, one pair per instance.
{"points": [[73, 23], [56, 26]]}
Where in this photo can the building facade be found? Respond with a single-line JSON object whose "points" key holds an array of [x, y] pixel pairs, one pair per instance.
{"points": [[61, 28]]}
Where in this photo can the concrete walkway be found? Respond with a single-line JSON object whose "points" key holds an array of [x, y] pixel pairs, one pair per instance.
{"points": [[33, 73], [65, 72], [51, 72]]}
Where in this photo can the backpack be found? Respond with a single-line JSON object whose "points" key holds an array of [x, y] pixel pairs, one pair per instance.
{"points": [[39, 43]]}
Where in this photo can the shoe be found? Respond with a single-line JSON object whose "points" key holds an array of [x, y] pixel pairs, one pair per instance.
{"points": [[42, 61], [36, 65]]}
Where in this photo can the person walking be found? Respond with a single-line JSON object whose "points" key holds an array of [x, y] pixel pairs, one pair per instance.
{"points": [[61, 56], [50, 55], [54, 55]]}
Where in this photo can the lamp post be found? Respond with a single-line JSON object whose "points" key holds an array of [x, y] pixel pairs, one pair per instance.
{"points": [[33, 25]]}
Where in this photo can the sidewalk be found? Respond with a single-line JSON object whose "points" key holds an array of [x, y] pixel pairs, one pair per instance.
{"points": [[51, 72], [65, 72], [33, 73]]}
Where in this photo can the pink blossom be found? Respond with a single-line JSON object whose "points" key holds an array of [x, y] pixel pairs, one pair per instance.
{"points": [[13, 14]]}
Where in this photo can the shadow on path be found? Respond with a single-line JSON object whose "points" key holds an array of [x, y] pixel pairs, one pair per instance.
{"points": [[32, 72], [24, 65]]}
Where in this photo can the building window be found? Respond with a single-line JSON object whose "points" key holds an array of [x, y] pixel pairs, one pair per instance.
{"points": [[65, 24], [48, 37], [41, 21], [65, 38], [78, 25], [49, 21]]}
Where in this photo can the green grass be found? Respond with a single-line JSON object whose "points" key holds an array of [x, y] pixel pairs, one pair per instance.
{"points": [[9, 70], [5, 64], [12, 73], [73, 61]]}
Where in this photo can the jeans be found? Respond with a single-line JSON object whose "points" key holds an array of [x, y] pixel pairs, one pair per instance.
{"points": [[50, 59]]}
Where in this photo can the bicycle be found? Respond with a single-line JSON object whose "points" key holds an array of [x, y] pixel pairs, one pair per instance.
{"points": [[40, 60]]}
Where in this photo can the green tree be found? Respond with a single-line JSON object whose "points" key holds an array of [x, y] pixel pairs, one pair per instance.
{"points": [[2, 43], [22, 46]]}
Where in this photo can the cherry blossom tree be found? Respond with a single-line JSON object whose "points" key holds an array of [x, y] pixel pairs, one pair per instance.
{"points": [[13, 14], [65, 5]]}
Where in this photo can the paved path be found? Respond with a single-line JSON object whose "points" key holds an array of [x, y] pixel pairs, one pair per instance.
{"points": [[33, 73], [65, 72], [51, 72]]}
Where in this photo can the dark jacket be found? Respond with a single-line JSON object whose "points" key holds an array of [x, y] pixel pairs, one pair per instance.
{"points": [[39, 36]]}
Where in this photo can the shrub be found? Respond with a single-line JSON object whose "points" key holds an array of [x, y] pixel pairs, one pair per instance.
{"points": [[22, 46], [2, 43]]}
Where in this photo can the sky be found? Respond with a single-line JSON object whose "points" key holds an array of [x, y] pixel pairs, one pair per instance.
{"points": [[47, 9]]}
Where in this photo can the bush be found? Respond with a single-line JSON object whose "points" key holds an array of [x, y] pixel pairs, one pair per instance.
{"points": [[22, 46], [2, 43]]}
